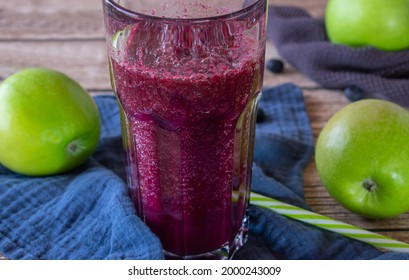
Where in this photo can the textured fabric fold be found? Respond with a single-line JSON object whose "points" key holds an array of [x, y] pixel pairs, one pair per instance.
{"points": [[302, 41], [84, 214]]}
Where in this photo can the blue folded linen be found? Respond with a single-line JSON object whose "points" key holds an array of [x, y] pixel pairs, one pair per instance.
{"points": [[87, 213], [84, 214]]}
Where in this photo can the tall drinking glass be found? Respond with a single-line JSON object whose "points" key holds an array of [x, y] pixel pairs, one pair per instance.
{"points": [[187, 76]]}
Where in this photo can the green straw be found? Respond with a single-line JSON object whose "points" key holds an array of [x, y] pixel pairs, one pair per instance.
{"points": [[330, 224]]}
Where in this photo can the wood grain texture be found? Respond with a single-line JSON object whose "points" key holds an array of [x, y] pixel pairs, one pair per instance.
{"points": [[69, 36], [46, 19], [86, 62]]}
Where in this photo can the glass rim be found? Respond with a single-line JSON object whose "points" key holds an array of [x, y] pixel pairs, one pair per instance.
{"points": [[137, 15]]}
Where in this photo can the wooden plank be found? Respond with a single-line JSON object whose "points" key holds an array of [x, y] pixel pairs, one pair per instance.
{"points": [[86, 62], [45, 19], [398, 235]]}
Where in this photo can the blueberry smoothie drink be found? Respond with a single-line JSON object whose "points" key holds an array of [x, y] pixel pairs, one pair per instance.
{"points": [[187, 86]]}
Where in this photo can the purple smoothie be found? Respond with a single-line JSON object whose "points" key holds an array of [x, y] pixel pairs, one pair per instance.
{"points": [[189, 111]]}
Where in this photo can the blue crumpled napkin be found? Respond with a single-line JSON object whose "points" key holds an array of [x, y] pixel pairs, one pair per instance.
{"points": [[87, 213]]}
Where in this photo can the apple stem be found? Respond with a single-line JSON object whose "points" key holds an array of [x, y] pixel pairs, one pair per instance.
{"points": [[369, 185], [72, 147]]}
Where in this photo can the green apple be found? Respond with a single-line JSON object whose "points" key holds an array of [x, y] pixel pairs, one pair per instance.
{"points": [[49, 124], [362, 158], [383, 24]]}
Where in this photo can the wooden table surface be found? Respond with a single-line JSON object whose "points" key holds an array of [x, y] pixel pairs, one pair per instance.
{"points": [[69, 36]]}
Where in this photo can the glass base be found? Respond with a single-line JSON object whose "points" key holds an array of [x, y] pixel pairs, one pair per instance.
{"points": [[226, 252]]}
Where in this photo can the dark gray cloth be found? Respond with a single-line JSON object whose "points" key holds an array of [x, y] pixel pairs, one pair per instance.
{"points": [[301, 40]]}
